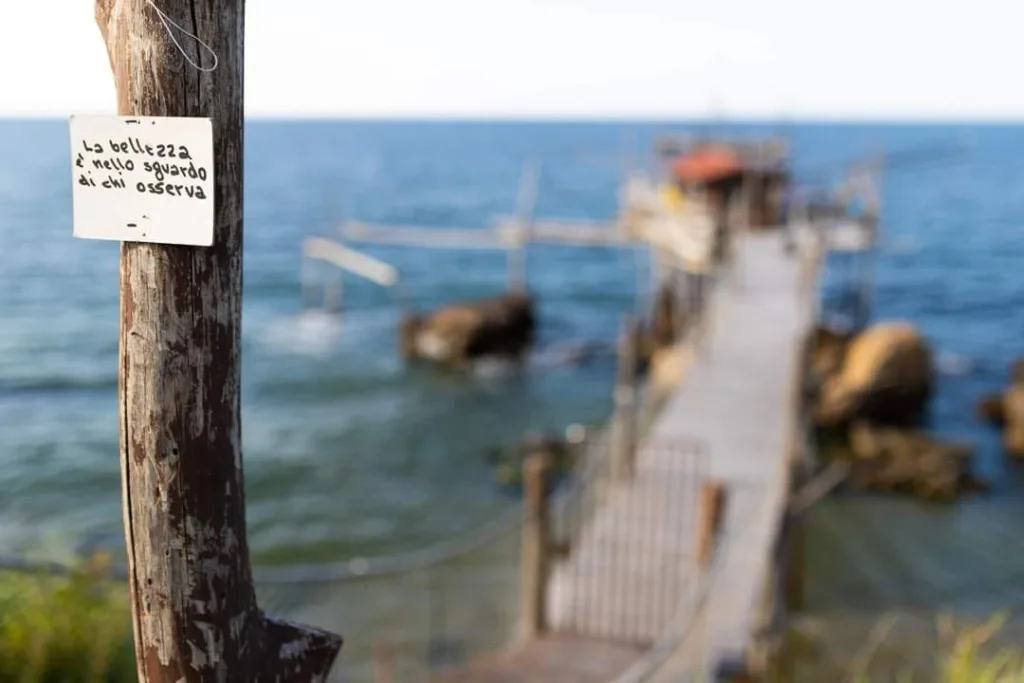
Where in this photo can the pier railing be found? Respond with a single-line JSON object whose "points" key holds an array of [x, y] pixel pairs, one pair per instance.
{"points": [[409, 615], [678, 652], [403, 616]]}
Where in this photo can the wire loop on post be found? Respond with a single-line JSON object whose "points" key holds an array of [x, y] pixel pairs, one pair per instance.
{"points": [[168, 23]]}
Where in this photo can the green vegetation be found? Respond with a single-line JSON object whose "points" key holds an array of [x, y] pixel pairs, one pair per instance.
{"points": [[77, 629], [68, 629], [969, 661], [976, 654]]}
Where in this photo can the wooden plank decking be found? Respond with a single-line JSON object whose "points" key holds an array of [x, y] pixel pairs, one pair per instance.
{"points": [[734, 401], [737, 399], [551, 660]]}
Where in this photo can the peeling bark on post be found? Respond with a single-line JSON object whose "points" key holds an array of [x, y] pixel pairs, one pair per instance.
{"points": [[194, 607]]}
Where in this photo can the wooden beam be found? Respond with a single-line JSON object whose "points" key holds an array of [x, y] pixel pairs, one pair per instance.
{"points": [[419, 236], [194, 607], [339, 255], [526, 205], [507, 234]]}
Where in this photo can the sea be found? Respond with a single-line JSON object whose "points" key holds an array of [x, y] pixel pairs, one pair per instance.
{"points": [[351, 453]]}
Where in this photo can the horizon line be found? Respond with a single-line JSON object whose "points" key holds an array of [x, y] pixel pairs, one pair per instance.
{"points": [[778, 121]]}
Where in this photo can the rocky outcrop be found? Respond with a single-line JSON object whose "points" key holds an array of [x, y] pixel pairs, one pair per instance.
{"points": [[1006, 411], [884, 375], [898, 460], [1013, 415], [826, 348], [990, 410], [869, 395], [458, 334]]}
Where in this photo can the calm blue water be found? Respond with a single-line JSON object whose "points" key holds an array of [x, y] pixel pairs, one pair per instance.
{"points": [[347, 452]]}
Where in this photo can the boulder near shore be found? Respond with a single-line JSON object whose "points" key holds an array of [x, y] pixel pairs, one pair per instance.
{"points": [[1005, 411], [458, 334], [869, 396]]}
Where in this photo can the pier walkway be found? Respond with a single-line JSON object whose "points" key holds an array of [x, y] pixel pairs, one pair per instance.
{"points": [[739, 400], [632, 570]]}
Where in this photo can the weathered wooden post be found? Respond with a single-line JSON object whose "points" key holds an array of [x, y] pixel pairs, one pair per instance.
{"points": [[308, 284], [869, 258], [793, 580], [713, 500], [743, 224], [526, 203], [537, 545], [657, 270], [383, 663], [194, 606], [812, 259], [624, 419], [334, 291]]}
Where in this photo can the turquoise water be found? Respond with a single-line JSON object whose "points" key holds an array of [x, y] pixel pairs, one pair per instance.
{"points": [[347, 451]]}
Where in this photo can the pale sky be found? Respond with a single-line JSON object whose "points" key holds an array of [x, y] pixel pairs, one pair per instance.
{"points": [[793, 59]]}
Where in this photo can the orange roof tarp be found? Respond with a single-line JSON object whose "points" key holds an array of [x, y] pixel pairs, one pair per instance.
{"points": [[706, 165]]}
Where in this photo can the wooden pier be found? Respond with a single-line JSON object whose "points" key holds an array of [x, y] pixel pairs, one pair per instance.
{"points": [[739, 400], [658, 564], [697, 520]]}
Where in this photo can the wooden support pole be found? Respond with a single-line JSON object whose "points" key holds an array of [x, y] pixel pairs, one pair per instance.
{"points": [[794, 562], [517, 266], [306, 280], [194, 606], [713, 499], [743, 227], [526, 204], [686, 302], [869, 259], [624, 419], [537, 545], [334, 291], [809, 292], [866, 278], [656, 271], [383, 663]]}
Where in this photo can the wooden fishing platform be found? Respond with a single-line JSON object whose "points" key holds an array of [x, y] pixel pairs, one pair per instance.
{"points": [[729, 423], [683, 527]]}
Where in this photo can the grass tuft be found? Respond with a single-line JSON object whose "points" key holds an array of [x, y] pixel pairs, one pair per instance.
{"points": [[65, 629]]}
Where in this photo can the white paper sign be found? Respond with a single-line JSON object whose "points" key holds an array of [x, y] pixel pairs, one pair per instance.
{"points": [[143, 179]]}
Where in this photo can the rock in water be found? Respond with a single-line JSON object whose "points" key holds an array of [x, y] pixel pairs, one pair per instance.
{"points": [[990, 410], [826, 348], [1013, 412], [1006, 411], [458, 334], [908, 461], [885, 376]]}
